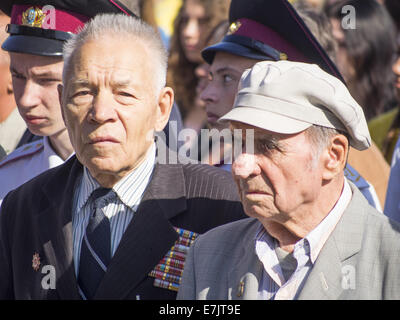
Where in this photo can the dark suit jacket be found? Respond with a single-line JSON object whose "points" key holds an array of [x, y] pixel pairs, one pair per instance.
{"points": [[37, 218]]}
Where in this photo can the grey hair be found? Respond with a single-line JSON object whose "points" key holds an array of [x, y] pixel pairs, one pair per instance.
{"points": [[320, 138], [123, 26]]}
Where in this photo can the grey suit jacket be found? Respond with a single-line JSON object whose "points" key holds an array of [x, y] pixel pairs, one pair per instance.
{"points": [[360, 260]]}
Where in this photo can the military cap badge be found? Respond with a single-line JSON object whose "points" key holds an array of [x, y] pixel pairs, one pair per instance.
{"points": [[33, 17], [234, 27]]}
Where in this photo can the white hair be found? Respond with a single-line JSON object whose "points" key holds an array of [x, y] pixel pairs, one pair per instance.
{"points": [[123, 26]]}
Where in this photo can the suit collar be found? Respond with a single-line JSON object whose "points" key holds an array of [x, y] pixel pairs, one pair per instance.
{"points": [[166, 186], [55, 226], [325, 279], [246, 275], [150, 234], [147, 239]]}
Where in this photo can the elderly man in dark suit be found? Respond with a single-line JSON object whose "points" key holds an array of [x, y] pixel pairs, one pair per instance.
{"points": [[110, 223]]}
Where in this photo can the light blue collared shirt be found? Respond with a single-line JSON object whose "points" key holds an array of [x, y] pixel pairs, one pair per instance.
{"points": [[129, 190]]}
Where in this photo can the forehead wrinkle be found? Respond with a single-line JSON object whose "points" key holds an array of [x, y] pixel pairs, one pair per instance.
{"points": [[110, 76]]}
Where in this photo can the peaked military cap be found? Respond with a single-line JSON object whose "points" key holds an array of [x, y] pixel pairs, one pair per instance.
{"points": [[270, 30], [41, 27]]}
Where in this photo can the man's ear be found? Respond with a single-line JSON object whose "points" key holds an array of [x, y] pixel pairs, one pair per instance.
{"points": [[165, 103], [10, 89], [335, 156], [60, 89]]}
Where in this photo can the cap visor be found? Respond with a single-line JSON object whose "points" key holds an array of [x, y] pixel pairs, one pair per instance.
{"points": [[208, 53], [33, 45], [265, 120]]}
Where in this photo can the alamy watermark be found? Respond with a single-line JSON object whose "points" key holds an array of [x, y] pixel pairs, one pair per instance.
{"points": [[349, 19], [190, 146]]}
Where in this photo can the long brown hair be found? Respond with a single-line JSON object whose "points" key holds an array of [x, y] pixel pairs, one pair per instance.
{"points": [[371, 50], [181, 75]]}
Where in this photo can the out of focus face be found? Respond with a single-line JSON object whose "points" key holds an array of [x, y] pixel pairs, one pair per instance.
{"points": [[193, 31], [396, 70], [110, 105], [280, 178], [35, 80], [219, 94], [396, 67], [342, 59]]}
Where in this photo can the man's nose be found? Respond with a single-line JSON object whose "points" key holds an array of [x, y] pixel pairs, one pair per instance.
{"points": [[102, 109], [28, 96], [245, 165], [209, 94]]}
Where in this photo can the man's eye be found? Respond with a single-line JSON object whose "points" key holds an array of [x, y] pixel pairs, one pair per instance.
{"points": [[125, 94], [81, 93], [227, 78], [266, 146], [46, 81], [18, 76]]}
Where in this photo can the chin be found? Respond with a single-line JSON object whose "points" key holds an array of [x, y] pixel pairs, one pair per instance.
{"points": [[100, 164]]}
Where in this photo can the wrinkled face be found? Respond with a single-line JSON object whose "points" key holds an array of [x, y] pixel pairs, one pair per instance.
{"points": [[224, 75], [35, 82], [110, 105], [280, 177], [193, 30]]}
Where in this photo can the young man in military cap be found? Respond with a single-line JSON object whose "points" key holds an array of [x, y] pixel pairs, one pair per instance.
{"points": [[12, 126], [257, 34], [38, 30]]}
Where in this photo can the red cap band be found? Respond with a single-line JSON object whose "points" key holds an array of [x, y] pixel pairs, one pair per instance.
{"points": [[257, 31], [47, 17]]}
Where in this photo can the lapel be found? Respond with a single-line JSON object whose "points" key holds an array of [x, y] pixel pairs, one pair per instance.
{"points": [[149, 235], [54, 227], [245, 277], [325, 279]]}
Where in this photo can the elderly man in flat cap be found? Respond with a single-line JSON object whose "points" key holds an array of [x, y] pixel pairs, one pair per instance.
{"points": [[310, 232]]}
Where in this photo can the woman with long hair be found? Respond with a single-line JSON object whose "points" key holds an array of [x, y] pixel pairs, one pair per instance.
{"points": [[366, 53], [193, 24]]}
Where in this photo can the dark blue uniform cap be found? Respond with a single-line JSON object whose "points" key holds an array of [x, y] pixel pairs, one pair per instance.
{"points": [[274, 31], [41, 27]]}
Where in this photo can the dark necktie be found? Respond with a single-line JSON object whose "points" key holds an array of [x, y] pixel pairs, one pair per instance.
{"points": [[96, 244]]}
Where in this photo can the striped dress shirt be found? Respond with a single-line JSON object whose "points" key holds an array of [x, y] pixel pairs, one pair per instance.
{"points": [[129, 190], [306, 251]]}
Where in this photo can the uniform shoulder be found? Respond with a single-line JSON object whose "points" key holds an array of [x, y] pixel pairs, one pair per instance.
{"points": [[24, 151], [352, 175]]}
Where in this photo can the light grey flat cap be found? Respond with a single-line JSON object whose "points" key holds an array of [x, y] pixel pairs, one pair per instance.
{"points": [[288, 97]]}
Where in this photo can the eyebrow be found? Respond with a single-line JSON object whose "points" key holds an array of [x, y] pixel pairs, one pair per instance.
{"points": [[225, 69], [79, 81]]}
